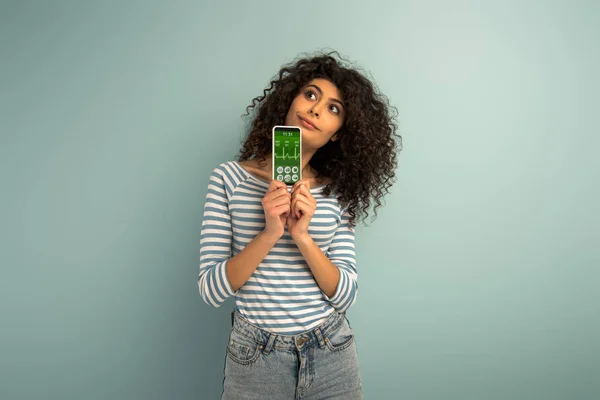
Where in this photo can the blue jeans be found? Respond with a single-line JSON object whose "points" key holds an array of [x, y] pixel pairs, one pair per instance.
{"points": [[319, 364]]}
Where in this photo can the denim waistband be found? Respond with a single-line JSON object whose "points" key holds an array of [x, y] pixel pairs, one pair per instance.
{"points": [[268, 340]]}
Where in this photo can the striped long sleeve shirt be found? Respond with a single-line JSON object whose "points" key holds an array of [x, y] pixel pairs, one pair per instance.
{"points": [[282, 296]]}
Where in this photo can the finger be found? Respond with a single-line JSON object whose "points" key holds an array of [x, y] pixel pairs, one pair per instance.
{"points": [[271, 205], [272, 186], [285, 199], [298, 193], [309, 197], [279, 192], [296, 205], [300, 183], [306, 192], [275, 184], [281, 209], [299, 188], [294, 209], [282, 201], [300, 198], [304, 207]]}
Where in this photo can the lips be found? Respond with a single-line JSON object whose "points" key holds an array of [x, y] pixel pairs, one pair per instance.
{"points": [[307, 122]]}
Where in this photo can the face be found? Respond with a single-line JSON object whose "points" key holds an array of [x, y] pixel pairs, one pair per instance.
{"points": [[319, 110]]}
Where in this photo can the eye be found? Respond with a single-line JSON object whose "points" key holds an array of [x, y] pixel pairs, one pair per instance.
{"points": [[310, 93], [334, 109]]}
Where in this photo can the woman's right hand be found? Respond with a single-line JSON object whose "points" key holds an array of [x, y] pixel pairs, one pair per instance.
{"points": [[276, 204]]}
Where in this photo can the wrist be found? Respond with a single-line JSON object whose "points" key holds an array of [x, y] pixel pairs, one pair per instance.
{"points": [[302, 238], [270, 236]]}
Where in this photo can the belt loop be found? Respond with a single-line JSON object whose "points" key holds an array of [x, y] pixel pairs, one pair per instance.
{"points": [[319, 336], [269, 344]]}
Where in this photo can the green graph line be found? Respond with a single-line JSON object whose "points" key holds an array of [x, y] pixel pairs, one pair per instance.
{"points": [[285, 156]]}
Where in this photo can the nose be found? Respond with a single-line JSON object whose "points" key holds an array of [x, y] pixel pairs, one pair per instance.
{"points": [[312, 112]]}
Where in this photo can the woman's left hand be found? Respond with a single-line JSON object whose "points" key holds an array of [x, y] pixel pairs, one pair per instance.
{"points": [[302, 209]]}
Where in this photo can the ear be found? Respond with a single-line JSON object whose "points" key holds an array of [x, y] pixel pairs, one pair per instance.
{"points": [[334, 137]]}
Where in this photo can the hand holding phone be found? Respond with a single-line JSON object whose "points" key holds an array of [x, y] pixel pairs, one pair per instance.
{"points": [[276, 205]]}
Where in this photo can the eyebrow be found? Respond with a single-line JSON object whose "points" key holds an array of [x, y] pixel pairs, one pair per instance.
{"points": [[321, 93]]}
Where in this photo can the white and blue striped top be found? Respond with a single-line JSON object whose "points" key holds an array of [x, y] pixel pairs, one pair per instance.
{"points": [[281, 296]]}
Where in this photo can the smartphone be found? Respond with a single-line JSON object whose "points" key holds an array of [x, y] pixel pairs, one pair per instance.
{"points": [[287, 154]]}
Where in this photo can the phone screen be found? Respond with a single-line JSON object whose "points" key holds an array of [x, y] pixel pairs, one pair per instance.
{"points": [[287, 154]]}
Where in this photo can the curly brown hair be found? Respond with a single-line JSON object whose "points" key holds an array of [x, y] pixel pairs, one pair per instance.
{"points": [[362, 162]]}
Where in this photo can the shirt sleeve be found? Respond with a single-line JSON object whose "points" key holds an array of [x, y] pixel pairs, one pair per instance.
{"points": [[342, 254], [215, 243]]}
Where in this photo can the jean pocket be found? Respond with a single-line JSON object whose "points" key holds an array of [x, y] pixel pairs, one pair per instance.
{"points": [[341, 337], [242, 349]]}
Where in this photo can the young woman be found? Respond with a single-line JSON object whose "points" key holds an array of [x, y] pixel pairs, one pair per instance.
{"points": [[287, 253]]}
